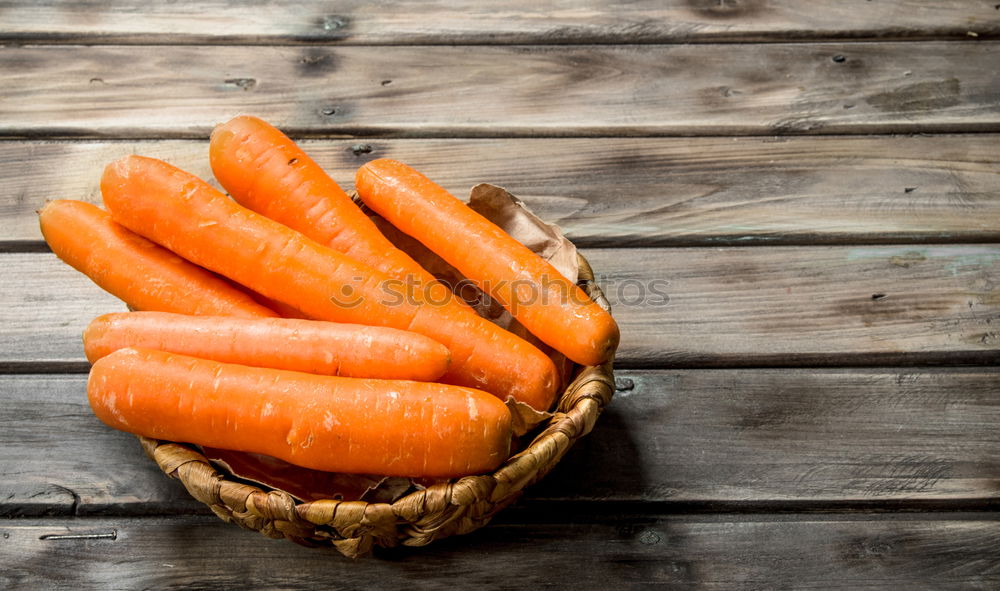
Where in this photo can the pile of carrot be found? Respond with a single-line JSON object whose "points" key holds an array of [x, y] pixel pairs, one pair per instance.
{"points": [[279, 319]]}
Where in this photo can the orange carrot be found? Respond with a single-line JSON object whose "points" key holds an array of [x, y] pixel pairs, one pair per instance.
{"points": [[282, 309], [264, 170], [310, 346], [352, 425], [145, 276], [536, 294], [188, 216]]}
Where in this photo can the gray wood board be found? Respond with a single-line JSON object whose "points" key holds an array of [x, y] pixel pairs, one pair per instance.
{"points": [[622, 191], [446, 91], [677, 307], [511, 21], [724, 552], [809, 439], [56, 457]]}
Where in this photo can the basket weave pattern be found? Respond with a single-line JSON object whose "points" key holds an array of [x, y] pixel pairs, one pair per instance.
{"points": [[440, 510]]}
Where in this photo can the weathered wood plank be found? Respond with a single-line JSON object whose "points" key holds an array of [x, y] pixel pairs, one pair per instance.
{"points": [[511, 21], [683, 307], [44, 307], [625, 191], [56, 458], [693, 439], [729, 552], [502, 91], [804, 305], [803, 438]]}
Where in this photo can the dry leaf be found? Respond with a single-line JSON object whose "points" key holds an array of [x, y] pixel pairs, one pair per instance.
{"points": [[305, 484], [525, 418]]}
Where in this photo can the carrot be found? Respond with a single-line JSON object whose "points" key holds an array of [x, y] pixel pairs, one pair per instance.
{"points": [[190, 217], [145, 276], [554, 309], [264, 170], [352, 425], [282, 309], [309, 346]]}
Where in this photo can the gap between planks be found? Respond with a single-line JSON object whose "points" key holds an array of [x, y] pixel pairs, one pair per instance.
{"points": [[7, 40]]}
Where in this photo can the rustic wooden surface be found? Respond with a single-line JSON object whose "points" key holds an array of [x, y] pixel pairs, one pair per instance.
{"points": [[409, 22], [527, 91], [677, 307], [702, 439], [809, 194], [625, 191], [933, 552]]}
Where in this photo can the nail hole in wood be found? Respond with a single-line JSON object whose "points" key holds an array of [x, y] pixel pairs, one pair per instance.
{"points": [[624, 384], [333, 23], [241, 83]]}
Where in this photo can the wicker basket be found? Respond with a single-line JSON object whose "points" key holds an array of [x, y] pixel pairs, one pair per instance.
{"points": [[440, 510]]}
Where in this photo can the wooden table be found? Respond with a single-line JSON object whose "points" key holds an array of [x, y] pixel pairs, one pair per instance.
{"points": [[811, 397]]}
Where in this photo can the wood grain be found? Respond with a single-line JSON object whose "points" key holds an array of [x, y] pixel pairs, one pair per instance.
{"points": [[698, 307], [878, 258], [677, 307], [57, 458], [804, 439], [624, 191], [529, 91], [725, 552], [511, 21], [44, 307], [792, 438]]}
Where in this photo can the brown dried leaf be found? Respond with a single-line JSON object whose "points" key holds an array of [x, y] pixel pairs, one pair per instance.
{"points": [[524, 418], [305, 484]]}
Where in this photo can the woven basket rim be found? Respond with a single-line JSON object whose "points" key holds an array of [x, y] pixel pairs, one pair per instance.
{"points": [[454, 507]]}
